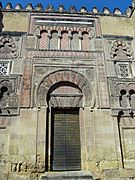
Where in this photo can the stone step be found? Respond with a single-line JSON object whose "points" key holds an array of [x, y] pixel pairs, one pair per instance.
{"points": [[72, 175]]}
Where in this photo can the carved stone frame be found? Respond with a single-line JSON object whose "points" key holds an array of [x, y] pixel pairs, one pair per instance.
{"points": [[43, 87]]}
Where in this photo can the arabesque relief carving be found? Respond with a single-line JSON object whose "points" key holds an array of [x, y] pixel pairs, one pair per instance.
{"points": [[121, 50], [8, 48], [9, 98]]}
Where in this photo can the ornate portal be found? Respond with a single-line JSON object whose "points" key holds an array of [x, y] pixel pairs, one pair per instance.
{"points": [[67, 93]]}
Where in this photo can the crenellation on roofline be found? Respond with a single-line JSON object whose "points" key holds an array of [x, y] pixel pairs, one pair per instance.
{"points": [[61, 9]]}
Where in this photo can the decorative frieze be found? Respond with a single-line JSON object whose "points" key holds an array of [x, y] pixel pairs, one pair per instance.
{"points": [[56, 53]]}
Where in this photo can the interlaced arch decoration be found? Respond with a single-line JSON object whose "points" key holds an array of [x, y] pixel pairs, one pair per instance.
{"points": [[48, 81], [121, 51]]}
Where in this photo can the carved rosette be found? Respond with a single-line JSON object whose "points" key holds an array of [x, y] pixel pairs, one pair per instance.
{"points": [[8, 48]]}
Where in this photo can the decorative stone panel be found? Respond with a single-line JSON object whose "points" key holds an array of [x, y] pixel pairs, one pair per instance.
{"points": [[9, 96], [4, 68], [119, 56], [59, 54], [11, 45], [8, 48], [124, 70], [26, 84], [102, 81], [119, 49], [122, 96]]}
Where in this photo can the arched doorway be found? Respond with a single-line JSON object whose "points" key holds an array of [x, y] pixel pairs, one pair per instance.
{"points": [[65, 99], [64, 94]]}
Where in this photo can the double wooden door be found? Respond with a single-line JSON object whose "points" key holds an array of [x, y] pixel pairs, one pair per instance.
{"points": [[65, 140]]}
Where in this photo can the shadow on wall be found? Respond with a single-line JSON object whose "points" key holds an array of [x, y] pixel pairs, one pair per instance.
{"points": [[1, 19]]}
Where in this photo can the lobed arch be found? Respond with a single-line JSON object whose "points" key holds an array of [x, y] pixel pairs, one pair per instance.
{"points": [[63, 28], [119, 87], [64, 38], [131, 86], [124, 86], [120, 50], [70, 76]]}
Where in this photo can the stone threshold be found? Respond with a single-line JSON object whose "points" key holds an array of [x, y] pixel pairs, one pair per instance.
{"points": [[80, 175]]}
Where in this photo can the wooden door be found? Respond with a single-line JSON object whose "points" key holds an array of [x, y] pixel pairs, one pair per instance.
{"points": [[65, 140]]}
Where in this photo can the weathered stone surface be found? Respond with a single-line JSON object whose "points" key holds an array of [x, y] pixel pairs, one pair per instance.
{"points": [[3, 176], [75, 62], [69, 175], [26, 86]]}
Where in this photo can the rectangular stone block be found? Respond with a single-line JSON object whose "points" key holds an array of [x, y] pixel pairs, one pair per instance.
{"points": [[3, 176], [80, 175]]}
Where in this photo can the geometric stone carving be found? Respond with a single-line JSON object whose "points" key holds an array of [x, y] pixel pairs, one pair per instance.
{"points": [[9, 98], [4, 68], [49, 82], [124, 70], [120, 51], [122, 96], [8, 48]]}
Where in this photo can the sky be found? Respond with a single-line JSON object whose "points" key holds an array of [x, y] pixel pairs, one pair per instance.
{"points": [[111, 4]]}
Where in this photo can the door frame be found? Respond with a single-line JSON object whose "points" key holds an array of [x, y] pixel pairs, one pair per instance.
{"points": [[49, 146]]}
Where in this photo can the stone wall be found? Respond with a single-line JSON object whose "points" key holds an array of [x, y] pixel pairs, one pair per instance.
{"points": [[81, 60]]}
